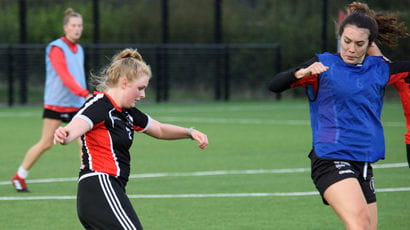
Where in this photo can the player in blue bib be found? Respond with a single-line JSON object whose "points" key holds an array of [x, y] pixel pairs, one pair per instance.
{"points": [[345, 92]]}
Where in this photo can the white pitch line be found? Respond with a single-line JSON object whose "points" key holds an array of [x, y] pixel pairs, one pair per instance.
{"points": [[208, 173], [210, 195]]}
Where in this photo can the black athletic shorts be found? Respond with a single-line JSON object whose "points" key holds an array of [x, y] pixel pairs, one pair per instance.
{"points": [[326, 172], [103, 204], [64, 117]]}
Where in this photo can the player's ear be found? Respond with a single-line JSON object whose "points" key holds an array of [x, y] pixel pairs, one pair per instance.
{"points": [[123, 81]]}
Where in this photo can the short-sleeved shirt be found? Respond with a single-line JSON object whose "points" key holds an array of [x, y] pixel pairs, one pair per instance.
{"points": [[106, 146]]}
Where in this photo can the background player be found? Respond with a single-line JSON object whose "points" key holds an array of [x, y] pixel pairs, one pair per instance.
{"points": [[65, 90]]}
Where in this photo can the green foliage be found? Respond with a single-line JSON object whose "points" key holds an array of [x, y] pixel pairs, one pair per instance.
{"points": [[130, 22], [296, 25], [9, 26]]}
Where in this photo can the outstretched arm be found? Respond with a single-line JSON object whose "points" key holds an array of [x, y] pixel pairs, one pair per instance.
{"points": [[173, 132]]}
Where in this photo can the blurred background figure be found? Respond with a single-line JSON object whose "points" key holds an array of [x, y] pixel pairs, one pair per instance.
{"points": [[65, 90]]}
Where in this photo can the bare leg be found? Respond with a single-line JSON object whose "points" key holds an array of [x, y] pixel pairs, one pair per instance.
{"points": [[45, 143], [347, 200], [373, 215]]}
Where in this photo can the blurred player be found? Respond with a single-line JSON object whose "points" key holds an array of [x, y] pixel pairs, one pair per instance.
{"points": [[65, 90]]}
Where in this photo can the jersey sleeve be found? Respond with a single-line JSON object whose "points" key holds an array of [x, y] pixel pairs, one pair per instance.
{"points": [[93, 112], [141, 121], [398, 70], [286, 80]]}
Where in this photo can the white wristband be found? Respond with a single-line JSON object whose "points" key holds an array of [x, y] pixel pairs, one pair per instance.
{"points": [[190, 132]]}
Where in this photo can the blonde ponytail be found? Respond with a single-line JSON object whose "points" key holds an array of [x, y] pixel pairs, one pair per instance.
{"points": [[127, 63]]}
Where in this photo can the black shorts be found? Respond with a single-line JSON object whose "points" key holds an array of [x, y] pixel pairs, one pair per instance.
{"points": [[103, 204], [64, 117], [326, 172]]}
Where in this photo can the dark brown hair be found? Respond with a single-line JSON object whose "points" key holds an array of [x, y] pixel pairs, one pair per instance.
{"points": [[390, 30], [361, 21]]}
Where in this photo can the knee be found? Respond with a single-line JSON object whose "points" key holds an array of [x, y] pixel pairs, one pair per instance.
{"points": [[46, 145], [362, 221]]}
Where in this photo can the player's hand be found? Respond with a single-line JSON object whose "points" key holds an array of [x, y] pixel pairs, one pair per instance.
{"points": [[313, 69], [201, 138], [60, 135]]}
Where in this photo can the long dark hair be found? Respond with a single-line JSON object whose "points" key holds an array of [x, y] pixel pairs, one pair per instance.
{"points": [[361, 21], [390, 29]]}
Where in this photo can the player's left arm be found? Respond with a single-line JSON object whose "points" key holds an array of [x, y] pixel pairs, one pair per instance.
{"points": [[172, 132], [398, 71], [374, 50]]}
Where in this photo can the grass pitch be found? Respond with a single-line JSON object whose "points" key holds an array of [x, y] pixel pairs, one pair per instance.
{"points": [[254, 174]]}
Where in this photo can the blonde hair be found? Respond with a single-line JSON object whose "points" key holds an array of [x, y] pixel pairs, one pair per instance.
{"points": [[70, 13], [127, 63]]}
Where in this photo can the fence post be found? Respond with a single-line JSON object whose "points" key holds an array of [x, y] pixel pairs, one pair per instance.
{"points": [[219, 49], [227, 75], [164, 80], [23, 60], [278, 67], [96, 21], [218, 77], [10, 78], [324, 25], [158, 58]]}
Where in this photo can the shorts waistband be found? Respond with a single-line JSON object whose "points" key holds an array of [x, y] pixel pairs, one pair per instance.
{"points": [[90, 175]]}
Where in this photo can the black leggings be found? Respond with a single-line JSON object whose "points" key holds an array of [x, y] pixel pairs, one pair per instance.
{"points": [[103, 204]]}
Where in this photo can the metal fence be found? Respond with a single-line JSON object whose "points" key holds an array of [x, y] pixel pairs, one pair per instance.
{"points": [[181, 72]]}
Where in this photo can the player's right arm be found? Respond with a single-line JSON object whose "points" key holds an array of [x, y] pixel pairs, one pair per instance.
{"points": [[93, 112], [297, 76], [76, 128]]}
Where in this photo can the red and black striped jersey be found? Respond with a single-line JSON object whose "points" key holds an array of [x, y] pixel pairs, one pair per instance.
{"points": [[106, 146]]}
